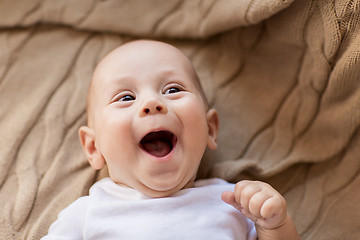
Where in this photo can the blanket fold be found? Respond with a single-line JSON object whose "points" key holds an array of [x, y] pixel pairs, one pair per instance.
{"points": [[155, 18], [283, 75]]}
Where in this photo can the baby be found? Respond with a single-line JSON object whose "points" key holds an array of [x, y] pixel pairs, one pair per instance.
{"points": [[149, 122]]}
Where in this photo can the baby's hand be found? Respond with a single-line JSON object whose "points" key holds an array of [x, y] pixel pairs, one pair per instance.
{"points": [[259, 202]]}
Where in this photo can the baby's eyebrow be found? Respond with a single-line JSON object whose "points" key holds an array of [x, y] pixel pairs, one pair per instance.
{"points": [[124, 79], [121, 81], [173, 71], [116, 85]]}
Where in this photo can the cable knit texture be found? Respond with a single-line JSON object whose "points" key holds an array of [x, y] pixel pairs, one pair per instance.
{"points": [[283, 74]]}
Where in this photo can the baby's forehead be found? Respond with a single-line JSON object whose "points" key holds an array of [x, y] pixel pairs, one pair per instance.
{"points": [[143, 51], [136, 56]]}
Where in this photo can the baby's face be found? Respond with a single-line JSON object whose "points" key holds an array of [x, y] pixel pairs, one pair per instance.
{"points": [[149, 120]]}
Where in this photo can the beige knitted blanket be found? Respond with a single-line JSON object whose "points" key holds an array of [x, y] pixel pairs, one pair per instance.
{"points": [[283, 74]]}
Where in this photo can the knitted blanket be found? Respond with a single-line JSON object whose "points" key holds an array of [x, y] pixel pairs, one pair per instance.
{"points": [[284, 76]]}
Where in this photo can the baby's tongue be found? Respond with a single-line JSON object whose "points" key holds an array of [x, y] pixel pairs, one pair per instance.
{"points": [[158, 148]]}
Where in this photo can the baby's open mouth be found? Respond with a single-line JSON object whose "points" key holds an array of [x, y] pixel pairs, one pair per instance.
{"points": [[159, 143]]}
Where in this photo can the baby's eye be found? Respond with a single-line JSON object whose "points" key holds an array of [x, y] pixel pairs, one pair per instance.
{"points": [[172, 90], [123, 97], [126, 98]]}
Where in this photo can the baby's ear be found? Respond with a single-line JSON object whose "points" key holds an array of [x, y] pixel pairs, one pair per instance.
{"points": [[213, 124], [87, 139]]}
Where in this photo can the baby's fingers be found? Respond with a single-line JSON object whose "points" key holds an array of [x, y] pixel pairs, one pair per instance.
{"points": [[229, 198], [274, 205], [257, 202], [244, 191]]}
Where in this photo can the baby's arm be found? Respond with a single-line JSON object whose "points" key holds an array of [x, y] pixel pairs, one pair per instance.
{"points": [[265, 206]]}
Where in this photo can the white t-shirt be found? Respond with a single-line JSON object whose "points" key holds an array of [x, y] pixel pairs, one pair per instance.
{"points": [[115, 212]]}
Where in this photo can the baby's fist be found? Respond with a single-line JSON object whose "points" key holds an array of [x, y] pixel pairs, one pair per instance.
{"points": [[259, 202]]}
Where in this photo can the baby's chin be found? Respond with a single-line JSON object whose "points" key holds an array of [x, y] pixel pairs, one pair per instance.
{"points": [[162, 191]]}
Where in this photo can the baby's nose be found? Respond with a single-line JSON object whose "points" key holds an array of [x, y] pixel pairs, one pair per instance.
{"points": [[153, 106]]}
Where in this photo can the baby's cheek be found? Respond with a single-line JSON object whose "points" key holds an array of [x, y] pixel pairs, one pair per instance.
{"points": [[195, 120]]}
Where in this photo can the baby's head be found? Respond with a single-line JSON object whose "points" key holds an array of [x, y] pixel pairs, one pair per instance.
{"points": [[148, 118]]}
